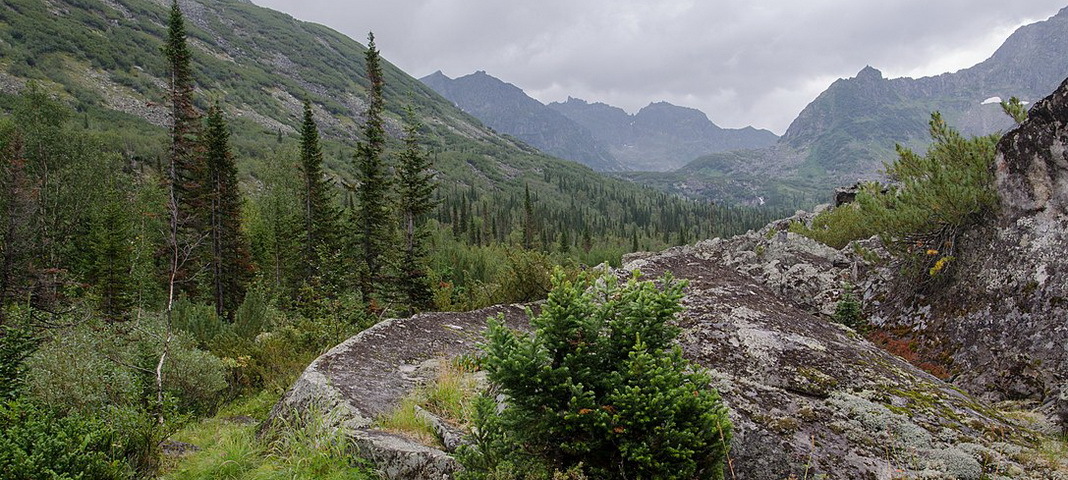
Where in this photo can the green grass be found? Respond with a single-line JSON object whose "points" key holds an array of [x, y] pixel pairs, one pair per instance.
{"points": [[308, 448], [449, 397], [407, 420]]}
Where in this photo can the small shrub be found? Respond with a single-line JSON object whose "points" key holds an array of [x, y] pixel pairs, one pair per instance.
{"points": [[197, 319], [251, 317], [94, 366], [17, 343], [527, 276], [848, 311], [38, 443], [936, 197], [600, 383], [837, 227]]}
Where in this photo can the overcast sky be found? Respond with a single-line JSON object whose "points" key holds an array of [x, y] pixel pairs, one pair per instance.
{"points": [[755, 62]]}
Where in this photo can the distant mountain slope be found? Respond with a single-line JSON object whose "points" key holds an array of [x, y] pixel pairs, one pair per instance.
{"points": [[851, 128], [505, 108], [660, 136]]}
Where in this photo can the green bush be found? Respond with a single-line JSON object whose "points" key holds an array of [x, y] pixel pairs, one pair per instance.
{"points": [[17, 343], [526, 276], [838, 227], [848, 312], [93, 366], [198, 319], [934, 199], [251, 317], [37, 443], [600, 383]]}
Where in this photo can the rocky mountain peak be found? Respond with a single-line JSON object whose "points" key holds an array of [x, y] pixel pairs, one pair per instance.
{"points": [[869, 73], [437, 75]]}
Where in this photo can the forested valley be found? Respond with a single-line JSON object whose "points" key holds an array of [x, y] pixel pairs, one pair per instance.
{"points": [[153, 276]]}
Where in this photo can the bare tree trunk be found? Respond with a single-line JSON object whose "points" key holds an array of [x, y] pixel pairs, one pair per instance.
{"points": [[159, 374]]}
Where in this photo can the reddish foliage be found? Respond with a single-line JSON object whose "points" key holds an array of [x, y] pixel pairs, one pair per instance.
{"points": [[906, 349]]}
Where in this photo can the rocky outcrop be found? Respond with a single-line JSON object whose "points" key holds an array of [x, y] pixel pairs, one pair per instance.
{"points": [[366, 376], [1031, 168], [1002, 321], [807, 396]]}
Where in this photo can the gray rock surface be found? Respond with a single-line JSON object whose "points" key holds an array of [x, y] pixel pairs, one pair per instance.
{"points": [[807, 397], [1002, 321], [367, 375], [812, 398]]}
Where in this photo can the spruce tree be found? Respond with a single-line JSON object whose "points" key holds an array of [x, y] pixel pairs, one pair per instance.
{"points": [[230, 263], [416, 190], [320, 217], [372, 213], [599, 386], [185, 176], [528, 219], [18, 206], [112, 255]]}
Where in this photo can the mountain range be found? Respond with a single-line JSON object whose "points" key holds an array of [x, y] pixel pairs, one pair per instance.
{"points": [[660, 137], [851, 129], [507, 109], [844, 135]]}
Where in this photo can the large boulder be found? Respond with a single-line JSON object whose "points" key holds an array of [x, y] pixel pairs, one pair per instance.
{"points": [[810, 398], [1001, 323], [366, 376]]}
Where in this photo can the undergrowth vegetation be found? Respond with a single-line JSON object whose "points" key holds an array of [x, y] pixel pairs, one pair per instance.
{"points": [[308, 447], [449, 396]]}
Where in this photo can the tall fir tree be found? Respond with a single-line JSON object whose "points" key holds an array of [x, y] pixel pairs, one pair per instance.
{"points": [[320, 235], [231, 267], [529, 229], [18, 206], [372, 216], [185, 176], [111, 246], [416, 191]]}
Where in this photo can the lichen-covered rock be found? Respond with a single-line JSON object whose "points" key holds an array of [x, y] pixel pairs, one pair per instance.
{"points": [[1002, 321], [801, 270], [367, 375], [809, 397], [1031, 168]]}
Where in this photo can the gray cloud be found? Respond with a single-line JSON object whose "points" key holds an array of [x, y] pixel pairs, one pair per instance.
{"points": [[743, 63]]}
